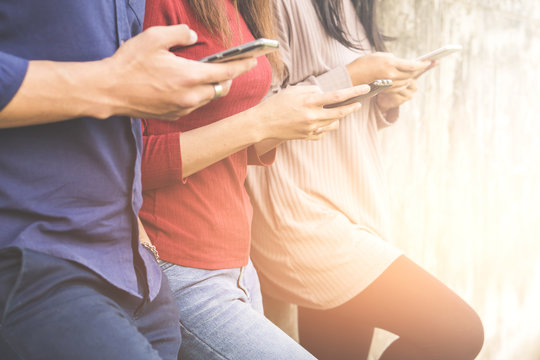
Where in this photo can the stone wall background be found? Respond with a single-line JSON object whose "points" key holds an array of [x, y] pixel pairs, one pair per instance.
{"points": [[464, 161]]}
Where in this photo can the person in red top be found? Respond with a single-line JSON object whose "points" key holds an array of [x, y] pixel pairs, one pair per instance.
{"points": [[196, 210]]}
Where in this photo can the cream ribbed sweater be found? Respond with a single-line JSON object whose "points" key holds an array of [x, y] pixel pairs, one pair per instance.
{"points": [[320, 231]]}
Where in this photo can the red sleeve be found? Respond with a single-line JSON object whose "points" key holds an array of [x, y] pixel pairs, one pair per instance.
{"points": [[264, 160], [161, 160], [162, 157]]}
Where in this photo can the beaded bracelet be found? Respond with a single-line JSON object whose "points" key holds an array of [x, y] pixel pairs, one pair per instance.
{"points": [[152, 248]]}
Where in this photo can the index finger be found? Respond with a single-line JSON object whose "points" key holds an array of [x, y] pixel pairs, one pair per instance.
{"points": [[339, 95], [430, 66], [212, 73], [167, 37], [410, 65]]}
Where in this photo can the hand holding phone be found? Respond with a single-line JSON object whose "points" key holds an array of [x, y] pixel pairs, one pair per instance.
{"points": [[251, 49], [382, 65], [435, 55], [376, 86]]}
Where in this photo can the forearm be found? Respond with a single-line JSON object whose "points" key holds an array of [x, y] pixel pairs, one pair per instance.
{"points": [[265, 146], [209, 144], [295, 113], [141, 79], [335, 79], [56, 91], [170, 158], [359, 75]]}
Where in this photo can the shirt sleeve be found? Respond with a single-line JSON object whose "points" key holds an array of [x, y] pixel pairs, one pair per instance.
{"points": [[12, 72], [384, 119], [266, 159], [334, 79], [161, 164]]}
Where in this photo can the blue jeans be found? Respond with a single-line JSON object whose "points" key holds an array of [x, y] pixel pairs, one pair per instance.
{"points": [[221, 316], [52, 308]]}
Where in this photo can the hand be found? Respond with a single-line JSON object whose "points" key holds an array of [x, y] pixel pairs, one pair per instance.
{"points": [[298, 113], [380, 65], [152, 82], [431, 65], [396, 96]]}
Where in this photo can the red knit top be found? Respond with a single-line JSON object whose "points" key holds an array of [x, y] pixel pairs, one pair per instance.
{"points": [[203, 221]]}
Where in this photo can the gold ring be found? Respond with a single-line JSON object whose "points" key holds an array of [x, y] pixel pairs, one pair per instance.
{"points": [[218, 88]]}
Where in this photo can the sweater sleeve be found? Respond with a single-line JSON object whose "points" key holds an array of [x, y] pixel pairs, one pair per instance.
{"points": [[385, 119], [161, 164], [12, 72], [334, 79], [261, 160]]}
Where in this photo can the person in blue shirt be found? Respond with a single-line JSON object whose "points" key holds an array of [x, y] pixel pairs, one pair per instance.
{"points": [[74, 281]]}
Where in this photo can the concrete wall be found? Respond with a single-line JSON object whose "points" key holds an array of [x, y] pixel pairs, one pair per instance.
{"points": [[464, 161]]}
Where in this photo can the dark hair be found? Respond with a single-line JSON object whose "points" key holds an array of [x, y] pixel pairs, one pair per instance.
{"points": [[257, 14], [331, 15]]}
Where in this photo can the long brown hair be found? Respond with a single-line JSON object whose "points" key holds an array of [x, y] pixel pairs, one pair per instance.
{"points": [[331, 14], [257, 14]]}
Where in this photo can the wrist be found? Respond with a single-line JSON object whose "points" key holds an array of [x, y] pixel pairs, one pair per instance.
{"points": [[362, 71], [92, 89], [254, 124], [105, 91], [352, 73], [357, 75], [383, 107]]}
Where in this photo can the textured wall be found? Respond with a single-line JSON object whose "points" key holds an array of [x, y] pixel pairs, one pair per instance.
{"points": [[464, 160]]}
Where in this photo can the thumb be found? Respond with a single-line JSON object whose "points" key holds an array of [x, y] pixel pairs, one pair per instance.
{"points": [[173, 36]]}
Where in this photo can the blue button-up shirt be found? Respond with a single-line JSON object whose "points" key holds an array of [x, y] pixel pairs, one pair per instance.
{"points": [[72, 189]]}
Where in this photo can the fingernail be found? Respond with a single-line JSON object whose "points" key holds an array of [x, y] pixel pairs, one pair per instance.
{"points": [[192, 36], [365, 88], [253, 62]]}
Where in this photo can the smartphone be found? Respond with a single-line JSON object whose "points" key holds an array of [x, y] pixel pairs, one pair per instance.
{"points": [[251, 49], [440, 53], [376, 87]]}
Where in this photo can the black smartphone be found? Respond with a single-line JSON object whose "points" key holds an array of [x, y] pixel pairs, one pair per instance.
{"points": [[376, 87], [251, 49]]}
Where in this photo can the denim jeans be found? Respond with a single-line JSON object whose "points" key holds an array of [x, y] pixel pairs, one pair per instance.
{"points": [[221, 316], [52, 308]]}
